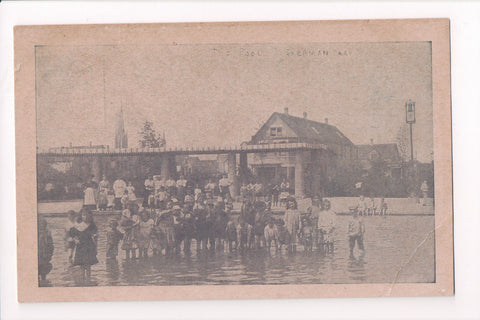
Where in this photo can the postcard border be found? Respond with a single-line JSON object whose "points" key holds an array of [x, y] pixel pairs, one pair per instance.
{"points": [[27, 37]]}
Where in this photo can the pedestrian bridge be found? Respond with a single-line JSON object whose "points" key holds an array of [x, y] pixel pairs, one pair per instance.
{"points": [[255, 148], [97, 158]]}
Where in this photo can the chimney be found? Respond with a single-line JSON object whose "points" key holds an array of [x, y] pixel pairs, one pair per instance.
{"points": [[304, 115], [326, 120], [70, 144], [371, 142], [90, 144], [285, 110]]}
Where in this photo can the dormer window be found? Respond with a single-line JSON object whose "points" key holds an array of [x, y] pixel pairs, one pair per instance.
{"points": [[374, 156], [275, 131]]}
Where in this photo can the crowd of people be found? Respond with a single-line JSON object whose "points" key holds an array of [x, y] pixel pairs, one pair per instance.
{"points": [[172, 217], [104, 195]]}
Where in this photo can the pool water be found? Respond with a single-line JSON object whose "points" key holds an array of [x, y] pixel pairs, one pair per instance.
{"points": [[397, 249]]}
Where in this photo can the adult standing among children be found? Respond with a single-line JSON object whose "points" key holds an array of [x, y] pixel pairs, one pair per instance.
{"points": [[292, 222], [119, 187], [89, 199], [224, 185]]}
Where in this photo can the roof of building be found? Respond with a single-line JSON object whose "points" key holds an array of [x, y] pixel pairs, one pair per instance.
{"points": [[386, 151], [310, 130]]}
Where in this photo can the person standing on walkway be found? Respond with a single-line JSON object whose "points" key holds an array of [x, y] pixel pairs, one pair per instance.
{"points": [[224, 185], [424, 189], [149, 188], [89, 200], [119, 188]]}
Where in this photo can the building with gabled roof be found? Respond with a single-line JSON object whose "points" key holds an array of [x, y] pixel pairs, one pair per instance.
{"points": [[314, 167], [369, 154], [281, 126]]}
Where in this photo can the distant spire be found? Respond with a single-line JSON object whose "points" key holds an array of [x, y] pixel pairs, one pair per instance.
{"points": [[121, 139]]}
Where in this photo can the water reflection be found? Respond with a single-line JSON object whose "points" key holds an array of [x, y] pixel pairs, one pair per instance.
{"points": [[356, 268], [389, 242], [113, 270]]}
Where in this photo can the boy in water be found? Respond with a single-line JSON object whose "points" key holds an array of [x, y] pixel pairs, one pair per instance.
{"points": [[271, 234], [356, 230], [113, 238], [231, 235]]}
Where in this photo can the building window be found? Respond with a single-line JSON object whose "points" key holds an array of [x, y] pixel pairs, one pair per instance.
{"points": [[276, 131]]}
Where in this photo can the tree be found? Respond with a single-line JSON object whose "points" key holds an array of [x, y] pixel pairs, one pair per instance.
{"points": [[149, 137]]}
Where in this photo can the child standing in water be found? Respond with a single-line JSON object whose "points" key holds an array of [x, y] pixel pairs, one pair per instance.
{"points": [[113, 238], [129, 243], [145, 230], [45, 249], [69, 241], [356, 230], [271, 234], [231, 235]]}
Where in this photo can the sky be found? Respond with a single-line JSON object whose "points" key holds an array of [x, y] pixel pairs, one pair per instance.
{"points": [[220, 94]]}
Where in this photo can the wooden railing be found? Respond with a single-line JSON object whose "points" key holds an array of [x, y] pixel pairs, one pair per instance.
{"points": [[246, 148]]}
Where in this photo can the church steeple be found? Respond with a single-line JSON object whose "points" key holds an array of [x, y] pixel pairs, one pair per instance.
{"points": [[121, 139]]}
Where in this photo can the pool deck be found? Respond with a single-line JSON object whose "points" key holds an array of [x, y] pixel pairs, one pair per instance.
{"points": [[341, 206]]}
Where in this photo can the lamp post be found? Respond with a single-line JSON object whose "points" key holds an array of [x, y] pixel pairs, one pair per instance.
{"points": [[410, 118]]}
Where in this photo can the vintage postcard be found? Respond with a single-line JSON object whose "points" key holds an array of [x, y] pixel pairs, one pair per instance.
{"points": [[234, 160]]}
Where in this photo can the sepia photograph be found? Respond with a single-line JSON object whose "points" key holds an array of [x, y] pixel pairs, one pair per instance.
{"points": [[235, 163]]}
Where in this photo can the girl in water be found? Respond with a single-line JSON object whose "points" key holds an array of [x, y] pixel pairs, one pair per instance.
{"points": [[85, 233]]}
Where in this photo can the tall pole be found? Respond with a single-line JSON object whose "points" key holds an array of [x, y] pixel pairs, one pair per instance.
{"points": [[411, 142], [410, 118]]}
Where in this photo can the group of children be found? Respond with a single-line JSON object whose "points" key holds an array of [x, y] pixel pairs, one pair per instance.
{"points": [[102, 196], [209, 221], [368, 207]]}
